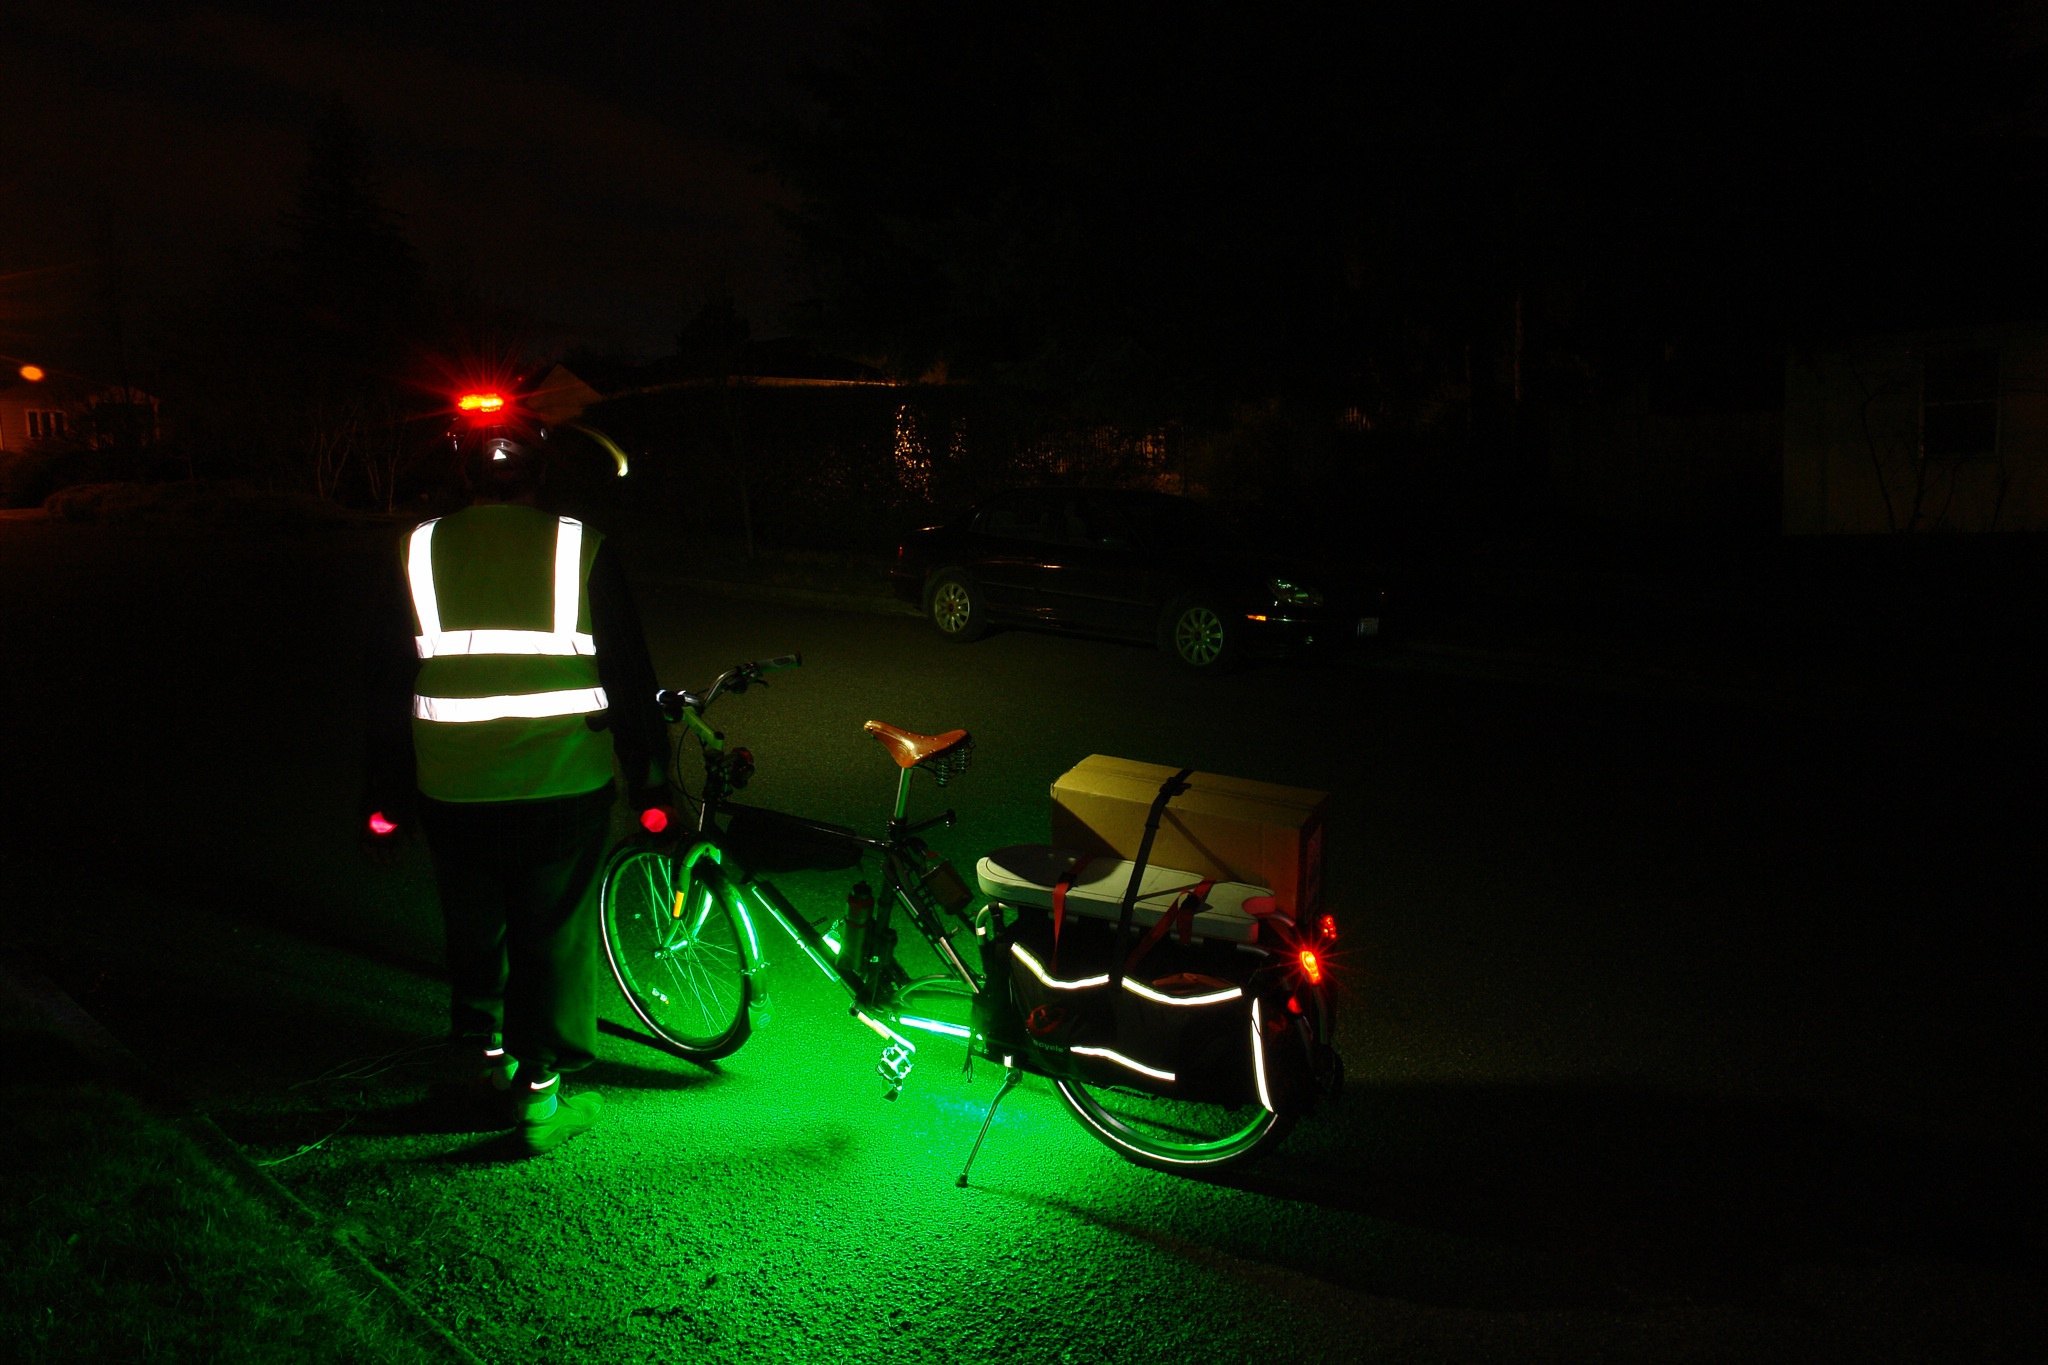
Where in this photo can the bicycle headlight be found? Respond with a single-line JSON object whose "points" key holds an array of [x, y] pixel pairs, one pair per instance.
{"points": [[1287, 592]]}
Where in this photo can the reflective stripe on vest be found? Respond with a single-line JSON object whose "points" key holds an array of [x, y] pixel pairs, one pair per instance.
{"points": [[564, 639], [574, 701]]}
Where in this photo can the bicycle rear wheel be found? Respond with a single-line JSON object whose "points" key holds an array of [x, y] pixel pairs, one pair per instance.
{"points": [[1173, 1135], [1179, 1135], [684, 974]]}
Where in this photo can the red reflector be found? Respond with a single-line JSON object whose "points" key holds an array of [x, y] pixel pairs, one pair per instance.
{"points": [[654, 819], [1311, 966], [1294, 1003], [379, 825]]}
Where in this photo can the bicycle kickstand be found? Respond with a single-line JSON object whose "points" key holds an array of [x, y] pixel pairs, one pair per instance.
{"points": [[1011, 1076]]}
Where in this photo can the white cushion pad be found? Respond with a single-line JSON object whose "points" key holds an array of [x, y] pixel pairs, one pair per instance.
{"points": [[1026, 874]]}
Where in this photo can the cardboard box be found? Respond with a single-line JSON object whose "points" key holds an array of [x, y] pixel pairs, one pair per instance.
{"points": [[1229, 828]]}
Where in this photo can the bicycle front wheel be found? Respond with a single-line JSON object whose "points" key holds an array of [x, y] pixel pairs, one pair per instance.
{"points": [[677, 952]]}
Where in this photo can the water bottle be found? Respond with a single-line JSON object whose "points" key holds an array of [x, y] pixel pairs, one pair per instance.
{"points": [[860, 907]]}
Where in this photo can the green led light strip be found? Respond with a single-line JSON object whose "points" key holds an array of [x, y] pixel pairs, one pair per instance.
{"points": [[934, 1026]]}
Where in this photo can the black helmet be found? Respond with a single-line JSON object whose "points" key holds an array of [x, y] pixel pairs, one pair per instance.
{"points": [[504, 455]]}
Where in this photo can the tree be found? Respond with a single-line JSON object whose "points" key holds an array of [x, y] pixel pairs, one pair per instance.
{"points": [[354, 274], [710, 345], [354, 288]]}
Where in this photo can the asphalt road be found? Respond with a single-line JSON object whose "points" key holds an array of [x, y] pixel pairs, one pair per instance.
{"points": [[1675, 1030]]}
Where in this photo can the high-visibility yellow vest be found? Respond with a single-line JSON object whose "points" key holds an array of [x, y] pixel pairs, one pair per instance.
{"points": [[508, 673]]}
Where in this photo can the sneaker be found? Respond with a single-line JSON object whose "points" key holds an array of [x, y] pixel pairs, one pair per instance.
{"points": [[548, 1123]]}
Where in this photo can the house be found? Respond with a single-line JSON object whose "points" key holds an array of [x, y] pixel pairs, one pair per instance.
{"points": [[563, 396], [33, 413], [1940, 429], [73, 414]]}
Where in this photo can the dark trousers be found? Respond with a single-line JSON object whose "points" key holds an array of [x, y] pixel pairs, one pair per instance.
{"points": [[517, 881]]}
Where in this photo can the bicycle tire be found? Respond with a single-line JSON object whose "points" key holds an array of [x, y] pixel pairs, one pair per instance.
{"points": [[685, 977], [1182, 1135]]}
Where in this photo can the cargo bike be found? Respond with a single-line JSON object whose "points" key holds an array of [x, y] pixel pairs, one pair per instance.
{"points": [[1185, 1022]]}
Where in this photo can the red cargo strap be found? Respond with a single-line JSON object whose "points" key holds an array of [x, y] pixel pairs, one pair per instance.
{"points": [[1185, 907], [1059, 903]]}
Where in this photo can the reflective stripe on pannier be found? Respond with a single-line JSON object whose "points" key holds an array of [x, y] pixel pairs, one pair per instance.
{"points": [[1179, 1028]]}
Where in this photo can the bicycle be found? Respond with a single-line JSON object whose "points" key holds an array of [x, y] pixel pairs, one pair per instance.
{"points": [[681, 934]]}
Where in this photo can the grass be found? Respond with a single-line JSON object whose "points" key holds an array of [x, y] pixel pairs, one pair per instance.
{"points": [[125, 1242]]}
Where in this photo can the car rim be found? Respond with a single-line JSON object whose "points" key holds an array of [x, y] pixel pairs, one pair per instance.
{"points": [[1199, 635], [950, 607]]}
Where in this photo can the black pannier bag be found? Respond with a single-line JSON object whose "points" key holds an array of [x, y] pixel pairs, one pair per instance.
{"points": [[1170, 1010], [1179, 1024]]}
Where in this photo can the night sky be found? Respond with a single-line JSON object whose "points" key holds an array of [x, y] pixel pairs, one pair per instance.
{"points": [[581, 163], [590, 167]]}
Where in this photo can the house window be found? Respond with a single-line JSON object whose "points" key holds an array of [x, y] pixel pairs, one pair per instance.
{"points": [[42, 424], [1959, 405]]}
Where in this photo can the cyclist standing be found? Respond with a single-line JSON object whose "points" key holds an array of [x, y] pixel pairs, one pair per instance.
{"points": [[519, 659]]}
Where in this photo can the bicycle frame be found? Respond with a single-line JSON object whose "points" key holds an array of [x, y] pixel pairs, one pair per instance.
{"points": [[876, 984]]}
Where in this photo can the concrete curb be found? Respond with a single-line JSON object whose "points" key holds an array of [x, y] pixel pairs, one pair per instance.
{"points": [[42, 999], [776, 592]]}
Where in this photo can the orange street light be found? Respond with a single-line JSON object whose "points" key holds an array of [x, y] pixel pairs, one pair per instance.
{"points": [[32, 373]]}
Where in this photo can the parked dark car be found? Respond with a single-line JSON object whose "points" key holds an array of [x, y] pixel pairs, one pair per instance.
{"points": [[1132, 565]]}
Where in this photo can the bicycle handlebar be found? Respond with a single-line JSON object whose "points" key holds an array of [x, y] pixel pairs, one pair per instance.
{"points": [[735, 679]]}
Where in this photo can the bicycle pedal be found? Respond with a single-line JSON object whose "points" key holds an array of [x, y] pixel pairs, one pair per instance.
{"points": [[894, 1067]]}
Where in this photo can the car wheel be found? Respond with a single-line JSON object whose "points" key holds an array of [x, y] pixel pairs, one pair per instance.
{"points": [[955, 607], [1200, 636]]}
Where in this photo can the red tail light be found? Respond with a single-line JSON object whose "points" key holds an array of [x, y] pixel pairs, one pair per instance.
{"points": [[1329, 928], [481, 402], [1311, 966], [379, 825], [654, 819]]}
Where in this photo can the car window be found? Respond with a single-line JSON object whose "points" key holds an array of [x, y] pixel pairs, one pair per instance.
{"points": [[1021, 519], [1164, 521], [1098, 523]]}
